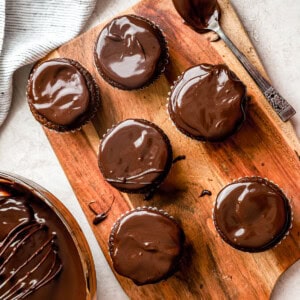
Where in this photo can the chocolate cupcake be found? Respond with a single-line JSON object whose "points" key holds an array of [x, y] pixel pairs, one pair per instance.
{"points": [[146, 245], [208, 103], [130, 52], [252, 214], [62, 94], [135, 156], [40, 254]]}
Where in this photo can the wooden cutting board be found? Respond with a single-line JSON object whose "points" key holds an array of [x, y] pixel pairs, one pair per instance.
{"points": [[264, 146]]}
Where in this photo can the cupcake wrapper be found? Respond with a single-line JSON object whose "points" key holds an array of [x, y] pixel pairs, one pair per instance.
{"points": [[95, 99], [160, 69], [151, 188], [272, 184]]}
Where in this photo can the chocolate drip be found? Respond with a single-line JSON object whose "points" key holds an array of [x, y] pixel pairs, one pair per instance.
{"points": [[127, 180], [148, 196], [100, 216], [178, 158], [28, 259], [204, 193]]}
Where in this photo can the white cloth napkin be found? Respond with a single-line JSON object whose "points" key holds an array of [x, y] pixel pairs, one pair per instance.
{"points": [[29, 29]]}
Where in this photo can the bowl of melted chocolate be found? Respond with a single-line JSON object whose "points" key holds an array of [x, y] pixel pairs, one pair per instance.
{"points": [[43, 253]]}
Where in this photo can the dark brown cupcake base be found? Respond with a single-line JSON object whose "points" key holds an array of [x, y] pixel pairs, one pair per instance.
{"points": [[94, 104]]}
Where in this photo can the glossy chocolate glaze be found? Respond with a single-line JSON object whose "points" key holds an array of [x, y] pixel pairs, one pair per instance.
{"points": [[252, 214], [146, 245], [37, 255], [198, 13], [208, 103], [128, 52], [58, 91], [135, 156]]}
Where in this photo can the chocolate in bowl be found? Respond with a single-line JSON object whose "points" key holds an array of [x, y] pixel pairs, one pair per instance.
{"points": [[41, 246]]}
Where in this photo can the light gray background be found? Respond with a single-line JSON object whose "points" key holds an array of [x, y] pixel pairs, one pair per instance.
{"points": [[274, 27]]}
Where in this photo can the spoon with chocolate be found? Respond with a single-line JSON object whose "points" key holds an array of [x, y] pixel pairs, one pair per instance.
{"points": [[204, 16]]}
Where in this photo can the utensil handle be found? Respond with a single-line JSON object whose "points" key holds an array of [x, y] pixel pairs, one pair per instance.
{"points": [[278, 103]]}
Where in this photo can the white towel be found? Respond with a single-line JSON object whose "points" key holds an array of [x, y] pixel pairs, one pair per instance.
{"points": [[29, 29]]}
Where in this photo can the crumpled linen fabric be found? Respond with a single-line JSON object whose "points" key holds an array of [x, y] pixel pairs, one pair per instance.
{"points": [[29, 29]]}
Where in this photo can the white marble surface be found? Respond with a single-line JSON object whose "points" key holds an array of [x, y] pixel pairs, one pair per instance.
{"points": [[273, 25]]}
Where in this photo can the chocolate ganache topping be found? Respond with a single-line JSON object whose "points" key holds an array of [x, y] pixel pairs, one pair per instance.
{"points": [[36, 254], [198, 13], [128, 51], [252, 214], [146, 245], [58, 91], [135, 156], [208, 102]]}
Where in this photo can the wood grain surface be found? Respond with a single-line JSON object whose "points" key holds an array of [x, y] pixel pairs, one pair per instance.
{"points": [[263, 147]]}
